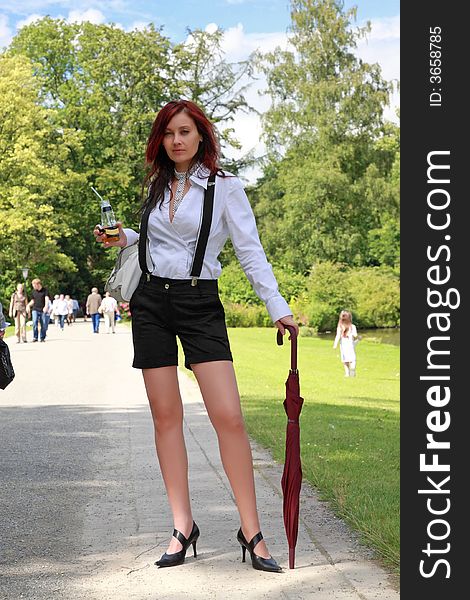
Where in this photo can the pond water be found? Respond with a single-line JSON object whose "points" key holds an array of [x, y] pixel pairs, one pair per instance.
{"points": [[383, 336]]}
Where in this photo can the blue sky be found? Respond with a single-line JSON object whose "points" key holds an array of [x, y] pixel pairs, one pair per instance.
{"points": [[248, 25], [260, 16]]}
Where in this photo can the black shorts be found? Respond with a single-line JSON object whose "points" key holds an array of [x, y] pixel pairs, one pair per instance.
{"points": [[162, 309]]}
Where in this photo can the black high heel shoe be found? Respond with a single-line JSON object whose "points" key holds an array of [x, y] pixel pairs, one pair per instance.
{"points": [[258, 562], [171, 560]]}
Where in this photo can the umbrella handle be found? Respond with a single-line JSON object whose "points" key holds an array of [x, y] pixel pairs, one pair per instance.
{"points": [[293, 347]]}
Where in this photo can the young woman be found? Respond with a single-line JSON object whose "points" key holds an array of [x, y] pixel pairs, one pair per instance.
{"points": [[19, 312], [346, 335], [182, 152]]}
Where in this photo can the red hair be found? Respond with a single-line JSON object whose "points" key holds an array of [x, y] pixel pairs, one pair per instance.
{"points": [[160, 166]]}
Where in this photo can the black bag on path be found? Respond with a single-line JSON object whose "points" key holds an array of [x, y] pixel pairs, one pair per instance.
{"points": [[7, 374]]}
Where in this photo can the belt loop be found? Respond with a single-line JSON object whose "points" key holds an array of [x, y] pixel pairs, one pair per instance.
{"points": [[194, 281]]}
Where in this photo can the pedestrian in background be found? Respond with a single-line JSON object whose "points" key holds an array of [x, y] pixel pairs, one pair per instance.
{"points": [[93, 302], [54, 314], [18, 311], [62, 310], [69, 317], [39, 303], [49, 313], [108, 309], [75, 309], [346, 335]]}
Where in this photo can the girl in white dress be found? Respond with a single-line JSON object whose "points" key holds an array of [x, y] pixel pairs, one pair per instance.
{"points": [[346, 335]]}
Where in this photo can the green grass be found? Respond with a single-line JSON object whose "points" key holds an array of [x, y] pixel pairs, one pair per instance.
{"points": [[349, 427]]}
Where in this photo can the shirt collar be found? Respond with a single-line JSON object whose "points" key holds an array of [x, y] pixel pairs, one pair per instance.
{"points": [[201, 176]]}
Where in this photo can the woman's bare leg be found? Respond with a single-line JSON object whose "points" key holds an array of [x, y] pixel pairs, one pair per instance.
{"points": [[167, 413], [220, 392]]}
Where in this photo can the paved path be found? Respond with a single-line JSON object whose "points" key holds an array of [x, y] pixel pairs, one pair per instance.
{"points": [[83, 513]]}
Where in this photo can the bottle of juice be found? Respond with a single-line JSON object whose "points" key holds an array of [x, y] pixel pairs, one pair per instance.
{"points": [[108, 220]]}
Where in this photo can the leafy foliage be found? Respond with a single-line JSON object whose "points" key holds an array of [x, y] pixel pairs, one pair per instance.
{"points": [[98, 89], [372, 294], [376, 292], [34, 183], [331, 175]]}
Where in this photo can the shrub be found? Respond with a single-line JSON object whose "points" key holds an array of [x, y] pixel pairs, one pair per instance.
{"points": [[326, 295], [376, 291], [235, 288], [239, 315], [371, 293], [291, 284]]}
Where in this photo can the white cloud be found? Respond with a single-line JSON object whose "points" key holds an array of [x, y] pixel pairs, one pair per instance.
{"points": [[238, 45], [92, 15], [138, 26], [386, 28], [6, 33], [382, 46], [211, 28], [30, 19]]}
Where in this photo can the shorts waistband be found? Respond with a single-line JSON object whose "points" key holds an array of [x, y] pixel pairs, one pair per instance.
{"points": [[182, 285]]}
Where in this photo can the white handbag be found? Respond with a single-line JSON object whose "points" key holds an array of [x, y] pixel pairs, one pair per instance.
{"points": [[126, 273], [127, 270]]}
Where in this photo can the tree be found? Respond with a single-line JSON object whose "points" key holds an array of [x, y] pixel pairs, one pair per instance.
{"points": [[218, 86], [330, 153], [322, 89], [32, 180], [107, 85]]}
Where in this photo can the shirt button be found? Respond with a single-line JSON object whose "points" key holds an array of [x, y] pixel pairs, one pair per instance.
{"points": [[167, 286]]}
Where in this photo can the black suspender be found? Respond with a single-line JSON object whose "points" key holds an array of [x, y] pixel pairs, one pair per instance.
{"points": [[143, 240], [203, 236], [204, 231]]}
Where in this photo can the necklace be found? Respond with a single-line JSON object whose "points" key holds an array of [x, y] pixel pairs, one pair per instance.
{"points": [[181, 177]]}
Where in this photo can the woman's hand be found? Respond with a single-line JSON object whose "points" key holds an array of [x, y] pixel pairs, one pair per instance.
{"points": [[286, 321], [100, 237]]}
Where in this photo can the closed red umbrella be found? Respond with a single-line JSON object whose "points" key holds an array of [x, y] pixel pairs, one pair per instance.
{"points": [[292, 475]]}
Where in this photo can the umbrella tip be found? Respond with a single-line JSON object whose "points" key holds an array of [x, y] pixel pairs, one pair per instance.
{"points": [[291, 558]]}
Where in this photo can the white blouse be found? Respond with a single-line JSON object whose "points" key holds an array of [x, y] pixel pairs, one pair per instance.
{"points": [[172, 244]]}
